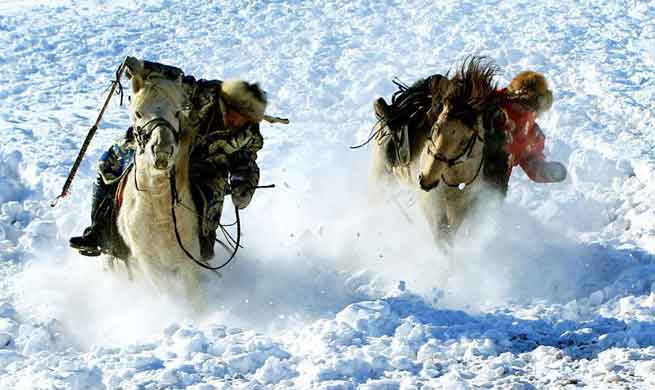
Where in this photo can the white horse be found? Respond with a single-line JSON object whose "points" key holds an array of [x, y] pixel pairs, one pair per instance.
{"points": [[160, 236]]}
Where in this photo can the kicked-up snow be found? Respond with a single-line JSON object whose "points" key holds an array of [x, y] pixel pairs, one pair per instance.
{"points": [[555, 290]]}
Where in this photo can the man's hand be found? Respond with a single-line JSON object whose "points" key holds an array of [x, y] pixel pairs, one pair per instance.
{"points": [[242, 192], [542, 171], [554, 171]]}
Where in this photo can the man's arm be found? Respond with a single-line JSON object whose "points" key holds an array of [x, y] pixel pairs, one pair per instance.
{"points": [[533, 161], [244, 171], [116, 159]]}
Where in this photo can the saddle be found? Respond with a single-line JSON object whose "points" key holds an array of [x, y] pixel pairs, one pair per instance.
{"points": [[412, 107], [397, 150]]}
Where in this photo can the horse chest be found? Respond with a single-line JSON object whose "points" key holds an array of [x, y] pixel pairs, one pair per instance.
{"points": [[149, 230]]}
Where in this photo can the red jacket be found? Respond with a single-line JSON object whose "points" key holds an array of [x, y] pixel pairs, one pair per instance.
{"points": [[525, 140]]}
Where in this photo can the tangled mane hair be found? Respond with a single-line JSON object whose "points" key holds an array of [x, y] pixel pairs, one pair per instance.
{"points": [[472, 89]]}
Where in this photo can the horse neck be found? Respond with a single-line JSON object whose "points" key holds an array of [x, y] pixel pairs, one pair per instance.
{"points": [[182, 164]]}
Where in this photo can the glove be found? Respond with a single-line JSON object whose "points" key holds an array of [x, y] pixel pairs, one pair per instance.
{"points": [[554, 171], [242, 192], [545, 171]]}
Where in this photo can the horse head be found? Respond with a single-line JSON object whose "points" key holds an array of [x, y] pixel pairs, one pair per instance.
{"points": [[155, 111], [459, 125]]}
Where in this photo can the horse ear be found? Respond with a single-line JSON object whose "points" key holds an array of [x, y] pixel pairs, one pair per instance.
{"points": [[137, 83], [134, 71]]}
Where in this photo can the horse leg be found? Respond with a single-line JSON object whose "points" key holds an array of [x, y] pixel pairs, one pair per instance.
{"points": [[432, 205], [457, 207], [109, 264], [128, 269], [379, 176], [192, 282]]}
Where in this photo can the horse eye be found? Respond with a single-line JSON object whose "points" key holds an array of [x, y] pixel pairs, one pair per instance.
{"points": [[138, 114]]}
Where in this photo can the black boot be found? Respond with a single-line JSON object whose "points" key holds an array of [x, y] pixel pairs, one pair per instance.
{"points": [[90, 243]]}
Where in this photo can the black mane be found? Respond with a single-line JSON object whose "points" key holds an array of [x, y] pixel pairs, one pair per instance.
{"points": [[472, 89]]}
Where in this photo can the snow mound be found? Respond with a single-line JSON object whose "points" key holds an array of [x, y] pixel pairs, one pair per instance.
{"points": [[332, 291]]}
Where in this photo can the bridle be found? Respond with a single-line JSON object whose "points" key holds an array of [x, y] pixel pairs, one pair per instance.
{"points": [[143, 133], [460, 158]]}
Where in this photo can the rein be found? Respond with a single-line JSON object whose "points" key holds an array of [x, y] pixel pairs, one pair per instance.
{"points": [[142, 135], [174, 202]]}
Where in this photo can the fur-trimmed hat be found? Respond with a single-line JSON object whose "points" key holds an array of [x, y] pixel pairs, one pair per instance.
{"points": [[244, 97], [531, 89]]}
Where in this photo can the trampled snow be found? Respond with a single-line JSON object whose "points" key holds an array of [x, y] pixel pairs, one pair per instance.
{"points": [[556, 290]]}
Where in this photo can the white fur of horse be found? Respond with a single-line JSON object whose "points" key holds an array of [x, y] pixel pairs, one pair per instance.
{"points": [[145, 221]]}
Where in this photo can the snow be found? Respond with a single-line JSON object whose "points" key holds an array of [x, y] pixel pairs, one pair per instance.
{"points": [[556, 290]]}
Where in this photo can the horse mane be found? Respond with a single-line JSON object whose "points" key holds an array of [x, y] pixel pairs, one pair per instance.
{"points": [[155, 86], [472, 89], [471, 92]]}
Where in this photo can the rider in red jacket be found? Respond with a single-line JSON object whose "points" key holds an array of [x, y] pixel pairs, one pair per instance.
{"points": [[521, 102]]}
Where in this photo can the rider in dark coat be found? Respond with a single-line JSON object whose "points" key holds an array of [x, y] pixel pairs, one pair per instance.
{"points": [[225, 116]]}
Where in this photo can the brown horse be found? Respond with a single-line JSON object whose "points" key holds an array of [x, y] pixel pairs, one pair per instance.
{"points": [[453, 146]]}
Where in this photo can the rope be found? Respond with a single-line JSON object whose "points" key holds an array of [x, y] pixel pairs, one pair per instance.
{"points": [[373, 134], [65, 191]]}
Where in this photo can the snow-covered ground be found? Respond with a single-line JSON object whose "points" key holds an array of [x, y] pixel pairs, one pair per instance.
{"points": [[555, 291]]}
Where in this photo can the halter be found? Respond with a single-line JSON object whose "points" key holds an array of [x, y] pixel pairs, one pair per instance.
{"points": [[236, 244], [462, 157]]}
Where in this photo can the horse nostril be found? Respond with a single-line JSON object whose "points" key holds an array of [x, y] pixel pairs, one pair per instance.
{"points": [[423, 186], [159, 149]]}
